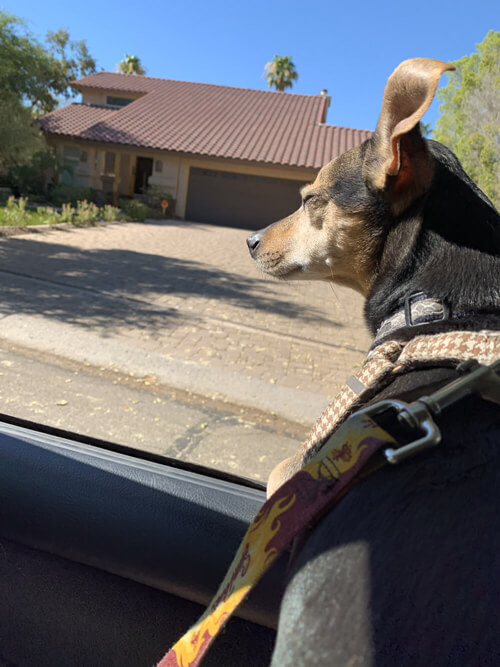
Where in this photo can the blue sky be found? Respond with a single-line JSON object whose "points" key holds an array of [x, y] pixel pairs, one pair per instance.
{"points": [[350, 48]]}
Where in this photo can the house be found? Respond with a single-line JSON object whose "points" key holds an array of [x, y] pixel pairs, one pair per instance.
{"points": [[227, 155]]}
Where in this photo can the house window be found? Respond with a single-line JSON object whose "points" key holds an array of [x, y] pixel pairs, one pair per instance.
{"points": [[118, 101], [70, 160], [158, 166], [71, 153], [109, 163], [84, 156]]}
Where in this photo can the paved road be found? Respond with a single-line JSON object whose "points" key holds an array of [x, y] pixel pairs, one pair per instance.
{"points": [[138, 412], [183, 305]]}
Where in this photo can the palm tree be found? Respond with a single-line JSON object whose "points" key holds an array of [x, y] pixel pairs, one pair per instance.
{"points": [[280, 72], [130, 65]]}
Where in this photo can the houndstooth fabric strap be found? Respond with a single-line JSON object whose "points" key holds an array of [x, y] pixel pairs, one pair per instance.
{"points": [[392, 358]]}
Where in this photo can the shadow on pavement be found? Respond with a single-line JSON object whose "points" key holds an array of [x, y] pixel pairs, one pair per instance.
{"points": [[113, 287]]}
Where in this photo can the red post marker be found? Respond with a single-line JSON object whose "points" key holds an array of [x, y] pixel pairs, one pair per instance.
{"points": [[164, 205]]}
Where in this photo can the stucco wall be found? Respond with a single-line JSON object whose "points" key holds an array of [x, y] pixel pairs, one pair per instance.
{"points": [[166, 173], [98, 97], [172, 175], [92, 97]]}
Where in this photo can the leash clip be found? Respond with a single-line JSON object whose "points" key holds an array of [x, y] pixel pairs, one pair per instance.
{"points": [[420, 414], [416, 415]]}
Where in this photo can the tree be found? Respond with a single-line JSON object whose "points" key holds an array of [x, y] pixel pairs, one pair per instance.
{"points": [[34, 79], [131, 65], [20, 139], [425, 129], [73, 58], [280, 72], [469, 121], [39, 75]]}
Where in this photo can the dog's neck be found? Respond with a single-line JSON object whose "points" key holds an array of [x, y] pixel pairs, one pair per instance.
{"points": [[446, 245], [424, 315]]}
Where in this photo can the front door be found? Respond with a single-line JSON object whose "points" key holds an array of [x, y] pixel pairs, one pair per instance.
{"points": [[143, 170]]}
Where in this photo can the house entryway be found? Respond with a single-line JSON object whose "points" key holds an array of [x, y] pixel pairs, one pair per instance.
{"points": [[143, 170]]}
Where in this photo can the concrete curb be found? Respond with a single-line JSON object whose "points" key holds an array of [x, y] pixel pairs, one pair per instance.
{"points": [[7, 230]]}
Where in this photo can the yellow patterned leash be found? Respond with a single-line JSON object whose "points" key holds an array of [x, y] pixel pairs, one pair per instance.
{"points": [[295, 505]]}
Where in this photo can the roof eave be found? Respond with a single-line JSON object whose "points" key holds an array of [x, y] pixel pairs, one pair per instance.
{"points": [[214, 156]]}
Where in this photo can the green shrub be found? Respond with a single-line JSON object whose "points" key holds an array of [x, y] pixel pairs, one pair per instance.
{"points": [[67, 213], [155, 195], [71, 194], [46, 216], [133, 209], [110, 213], [28, 180], [87, 212], [15, 212], [31, 178], [158, 214]]}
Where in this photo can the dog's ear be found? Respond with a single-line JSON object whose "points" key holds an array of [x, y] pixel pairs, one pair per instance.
{"points": [[399, 163]]}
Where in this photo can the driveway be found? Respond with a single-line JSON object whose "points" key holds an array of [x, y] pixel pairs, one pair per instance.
{"points": [[184, 304]]}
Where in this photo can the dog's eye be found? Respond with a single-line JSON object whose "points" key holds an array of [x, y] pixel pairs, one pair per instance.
{"points": [[307, 198]]}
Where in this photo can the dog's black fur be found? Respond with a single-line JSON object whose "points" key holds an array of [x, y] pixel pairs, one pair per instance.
{"points": [[447, 244], [406, 569]]}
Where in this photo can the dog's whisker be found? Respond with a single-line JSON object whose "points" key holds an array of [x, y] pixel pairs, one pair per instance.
{"points": [[334, 292], [339, 302]]}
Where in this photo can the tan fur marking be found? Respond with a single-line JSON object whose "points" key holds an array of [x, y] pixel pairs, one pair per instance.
{"points": [[408, 94], [300, 245]]}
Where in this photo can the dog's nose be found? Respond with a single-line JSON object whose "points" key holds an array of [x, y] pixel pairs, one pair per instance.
{"points": [[253, 242]]}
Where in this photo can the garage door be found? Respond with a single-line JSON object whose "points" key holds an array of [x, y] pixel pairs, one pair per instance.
{"points": [[239, 200]]}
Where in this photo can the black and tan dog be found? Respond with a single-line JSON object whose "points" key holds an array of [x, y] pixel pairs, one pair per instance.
{"points": [[406, 569]]}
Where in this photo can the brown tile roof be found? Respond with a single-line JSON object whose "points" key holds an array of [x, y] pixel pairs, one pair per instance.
{"points": [[122, 82], [210, 120], [74, 119]]}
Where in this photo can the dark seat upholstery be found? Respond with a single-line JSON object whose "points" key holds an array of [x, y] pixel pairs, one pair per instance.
{"points": [[107, 556]]}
